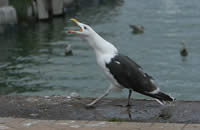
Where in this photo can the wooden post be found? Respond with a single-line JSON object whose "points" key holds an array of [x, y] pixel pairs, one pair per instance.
{"points": [[57, 7], [42, 6], [3, 3], [8, 15]]}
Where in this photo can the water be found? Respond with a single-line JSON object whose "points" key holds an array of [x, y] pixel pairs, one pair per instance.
{"points": [[32, 60]]}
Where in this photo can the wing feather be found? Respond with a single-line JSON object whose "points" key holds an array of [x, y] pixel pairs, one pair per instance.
{"points": [[130, 75]]}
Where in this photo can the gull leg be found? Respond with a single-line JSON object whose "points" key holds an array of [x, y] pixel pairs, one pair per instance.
{"points": [[99, 98], [129, 97]]}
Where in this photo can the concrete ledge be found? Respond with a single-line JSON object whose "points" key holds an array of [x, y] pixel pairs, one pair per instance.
{"points": [[66, 108], [32, 124]]}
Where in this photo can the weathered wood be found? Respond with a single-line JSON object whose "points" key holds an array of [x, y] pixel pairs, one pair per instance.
{"points": [[42, 9], [67, 3], [46, 8], [3, 3], [57, 7], [8, 15]]}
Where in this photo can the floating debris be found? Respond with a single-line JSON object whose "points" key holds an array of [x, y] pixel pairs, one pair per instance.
{"points": [[137, 29]]}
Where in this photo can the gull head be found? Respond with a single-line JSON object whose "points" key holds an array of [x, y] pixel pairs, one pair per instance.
{"points": [[85, 30]]}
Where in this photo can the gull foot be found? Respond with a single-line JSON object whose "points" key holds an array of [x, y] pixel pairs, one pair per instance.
{"points": [[89, 106]]}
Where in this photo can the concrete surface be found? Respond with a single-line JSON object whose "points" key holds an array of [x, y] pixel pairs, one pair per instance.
{"points": [[32, 124], [67, 108]]}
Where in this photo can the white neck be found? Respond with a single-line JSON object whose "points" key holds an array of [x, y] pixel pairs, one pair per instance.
{"points": [[100, 45]]}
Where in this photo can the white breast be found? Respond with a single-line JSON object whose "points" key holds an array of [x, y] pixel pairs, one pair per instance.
{"points": [[102, 60]]}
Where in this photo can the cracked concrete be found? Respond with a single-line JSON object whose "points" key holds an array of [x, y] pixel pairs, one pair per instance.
{"points": [[65, 113]]}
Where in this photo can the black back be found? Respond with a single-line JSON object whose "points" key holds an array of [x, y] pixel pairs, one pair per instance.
{"points": [[130, 75]]}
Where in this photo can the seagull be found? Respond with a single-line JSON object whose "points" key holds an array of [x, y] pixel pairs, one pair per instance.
{"points": [[184, 51], [122, 71], [137, 29], [68, 50]]}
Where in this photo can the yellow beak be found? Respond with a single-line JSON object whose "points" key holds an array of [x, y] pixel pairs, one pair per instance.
{"points": [[77, 22]]}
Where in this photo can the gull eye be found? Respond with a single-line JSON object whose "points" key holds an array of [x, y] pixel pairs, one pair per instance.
{"points": [[85, 27]]}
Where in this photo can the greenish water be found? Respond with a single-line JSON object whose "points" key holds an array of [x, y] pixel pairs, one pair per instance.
{"points": [[32, 60]]}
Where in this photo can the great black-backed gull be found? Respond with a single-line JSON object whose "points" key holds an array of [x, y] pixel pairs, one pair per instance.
{"points": [[119, 69]]}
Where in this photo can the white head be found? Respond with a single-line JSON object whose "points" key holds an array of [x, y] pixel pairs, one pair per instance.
{"points": [[95, 41], [85, 30]]}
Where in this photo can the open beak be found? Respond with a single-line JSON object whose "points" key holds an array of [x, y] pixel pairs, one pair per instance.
{"points": [[78, 23]]}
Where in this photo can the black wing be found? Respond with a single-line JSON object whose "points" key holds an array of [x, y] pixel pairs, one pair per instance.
{"points": [[130, 75]]}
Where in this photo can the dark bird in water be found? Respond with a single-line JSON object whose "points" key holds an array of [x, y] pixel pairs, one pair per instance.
{"points": [[184, 51], [137, 29], [122, 71], [68, 50]]}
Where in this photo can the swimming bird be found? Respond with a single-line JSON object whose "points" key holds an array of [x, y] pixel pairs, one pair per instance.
{"points": [[122, 71], [184, 51], [137, 29], [68, 50]]}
